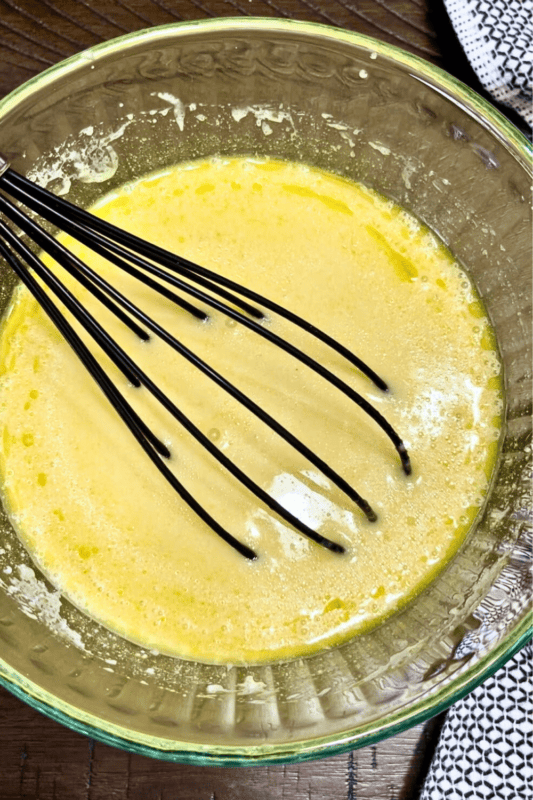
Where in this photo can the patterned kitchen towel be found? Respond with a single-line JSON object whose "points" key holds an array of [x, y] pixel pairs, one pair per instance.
{"points": [[485, 750], [497, 37]]}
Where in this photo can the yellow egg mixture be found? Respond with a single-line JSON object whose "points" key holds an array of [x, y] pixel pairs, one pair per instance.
{"points": [[110, 532]]}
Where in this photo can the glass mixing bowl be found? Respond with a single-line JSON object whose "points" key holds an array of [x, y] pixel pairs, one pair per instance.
{"points": [[365, 110]]}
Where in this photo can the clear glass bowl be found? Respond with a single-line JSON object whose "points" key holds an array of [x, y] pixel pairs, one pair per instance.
{"points": [[362, 109]]}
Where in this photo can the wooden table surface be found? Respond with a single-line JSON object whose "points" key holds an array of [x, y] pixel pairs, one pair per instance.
{"points": [[41, 760]]}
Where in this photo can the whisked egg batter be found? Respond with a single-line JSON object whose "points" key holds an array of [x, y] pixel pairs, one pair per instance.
{"points": [[109, 531]]}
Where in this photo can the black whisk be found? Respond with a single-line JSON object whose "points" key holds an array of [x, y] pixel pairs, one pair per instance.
{"points": [[145, 262]]}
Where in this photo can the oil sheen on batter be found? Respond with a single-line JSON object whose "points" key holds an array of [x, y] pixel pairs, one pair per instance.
{"points": [[109, 531]]}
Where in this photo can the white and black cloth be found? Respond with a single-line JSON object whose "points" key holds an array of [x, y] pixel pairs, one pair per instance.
{"points": [[497, 37], [485, 750]]}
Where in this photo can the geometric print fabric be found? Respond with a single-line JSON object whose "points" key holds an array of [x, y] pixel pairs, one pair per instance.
{"points": [[485, 750], [497, 37]]}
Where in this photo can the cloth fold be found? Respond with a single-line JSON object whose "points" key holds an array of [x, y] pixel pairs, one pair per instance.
{"points": [[497, 37]]}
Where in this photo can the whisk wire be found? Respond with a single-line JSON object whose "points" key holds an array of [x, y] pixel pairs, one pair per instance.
{"points": [[78, 268], [130, 253], [139, 378], [128, 415], [31, 194], [111, 249]]}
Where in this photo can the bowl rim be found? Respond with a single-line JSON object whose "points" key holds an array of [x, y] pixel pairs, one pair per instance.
{"points": [[438, 78], [467, 678], [271, 753]]}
